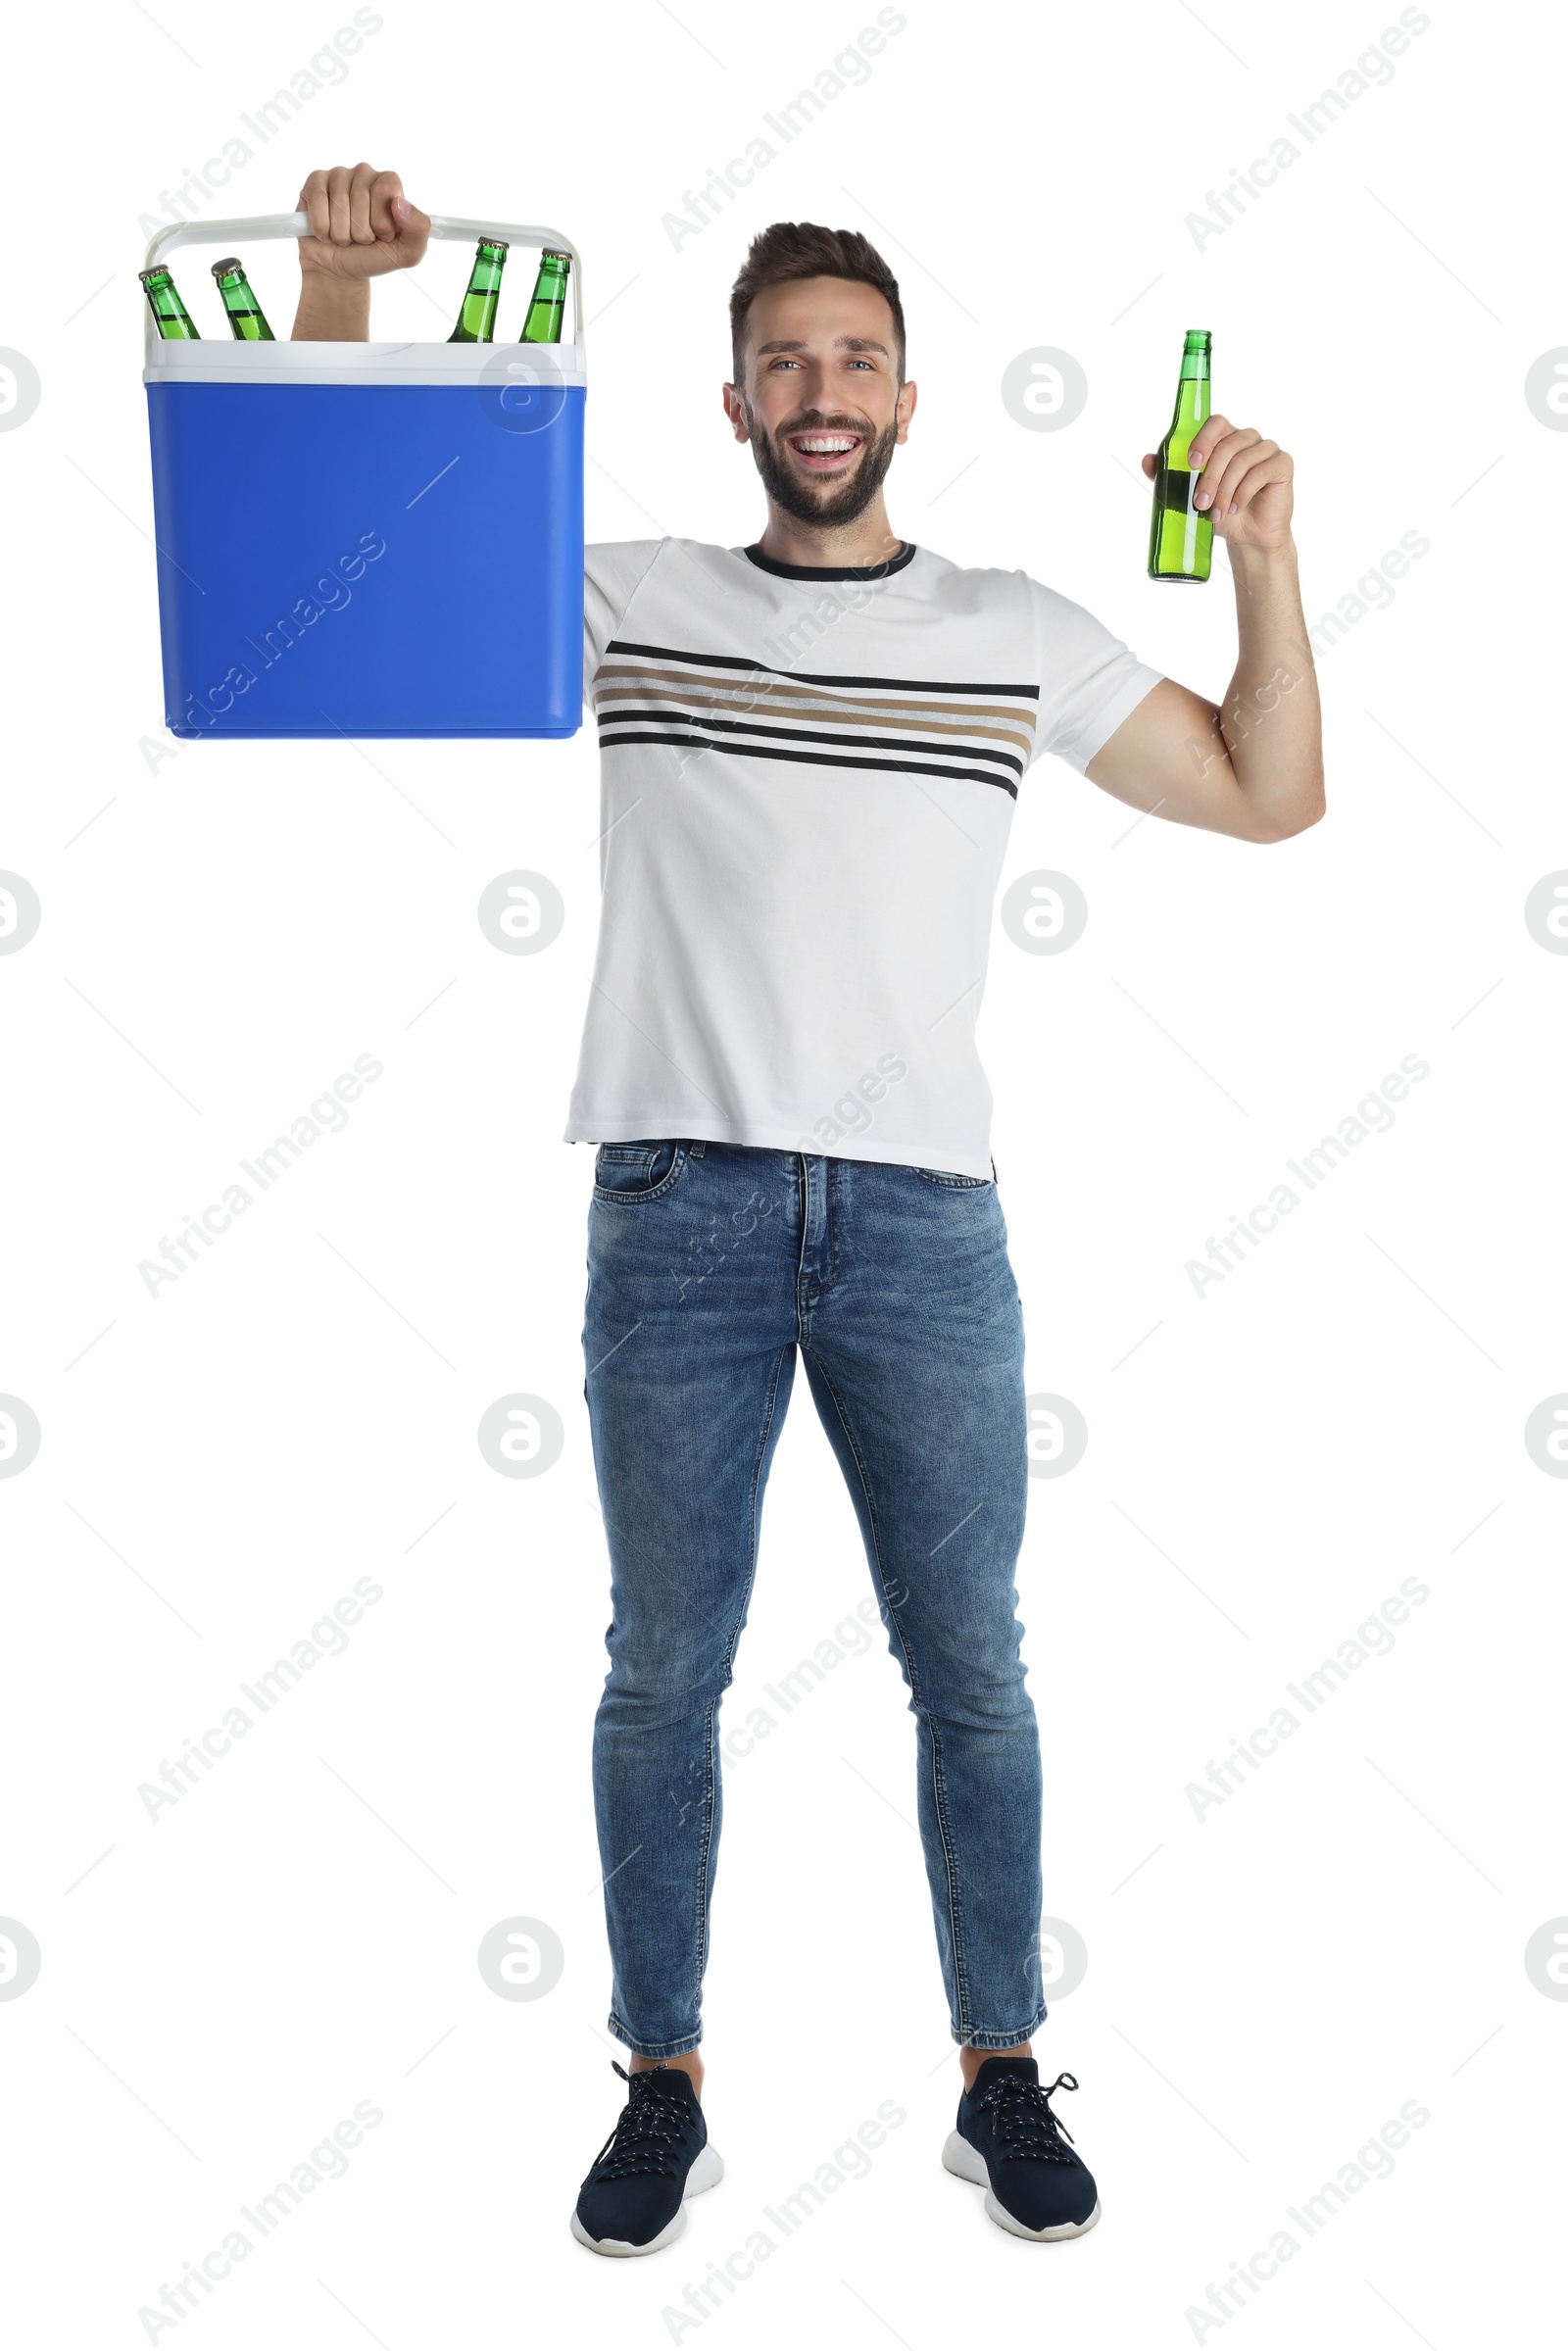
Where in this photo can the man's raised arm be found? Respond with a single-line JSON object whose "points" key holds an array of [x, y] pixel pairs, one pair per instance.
{"points": [[1252, 766]]}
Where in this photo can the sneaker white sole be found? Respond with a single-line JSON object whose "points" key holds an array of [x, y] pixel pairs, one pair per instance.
{"points": [[706, 2172], [968, 2163]]}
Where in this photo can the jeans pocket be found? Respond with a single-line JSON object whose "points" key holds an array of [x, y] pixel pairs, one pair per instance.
{"points": [[953, 1183], [626, 1174]]}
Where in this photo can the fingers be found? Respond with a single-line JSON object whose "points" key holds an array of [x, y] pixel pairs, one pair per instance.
{"points": [[414, 234], [337, 205], [1217, 446], [1204, 442], [1150, 468], [410, 229], [1213, 444], [1226, 463], [360, 187], [1228, 458], [386, 190], [326, 206], [1237, 465], [1257, 477], [361, 224], [312, 201]]}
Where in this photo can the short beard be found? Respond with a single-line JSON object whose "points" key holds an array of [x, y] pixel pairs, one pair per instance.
{"points": [[848, 501]]}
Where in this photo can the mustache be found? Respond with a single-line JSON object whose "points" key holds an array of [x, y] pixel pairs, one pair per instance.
{"points": [[815, 421]]}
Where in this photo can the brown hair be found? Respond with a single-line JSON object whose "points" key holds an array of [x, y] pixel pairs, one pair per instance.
{"points": [[792, 249]]}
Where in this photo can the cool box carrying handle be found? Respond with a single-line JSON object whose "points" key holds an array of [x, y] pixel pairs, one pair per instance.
{"points": [[297, 224]]}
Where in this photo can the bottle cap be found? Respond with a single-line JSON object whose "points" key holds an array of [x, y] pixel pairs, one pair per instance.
{"points": [[221, 270], [160, 269], [494, 245], [548, 254]]}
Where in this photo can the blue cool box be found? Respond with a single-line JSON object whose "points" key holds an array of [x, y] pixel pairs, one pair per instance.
{"points": [[369, 539]]}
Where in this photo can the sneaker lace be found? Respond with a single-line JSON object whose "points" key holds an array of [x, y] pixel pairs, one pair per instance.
{"points": [[1022, 2121], [652, 2124]]}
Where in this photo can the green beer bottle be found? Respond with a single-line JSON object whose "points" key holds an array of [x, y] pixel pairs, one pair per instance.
{"points": [[1181, 539], [169, 315], [247, 323], [477, 320], [548, 303]]}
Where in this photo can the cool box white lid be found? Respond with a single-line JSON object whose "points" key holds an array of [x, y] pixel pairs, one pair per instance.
{"points": [[490, 364]]}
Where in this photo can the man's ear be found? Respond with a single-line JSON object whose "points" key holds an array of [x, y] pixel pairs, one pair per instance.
{"points": [[735, 410], [909, 393]]}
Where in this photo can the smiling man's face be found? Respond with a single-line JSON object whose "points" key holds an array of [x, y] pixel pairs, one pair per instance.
{"points": [[821, 404]]}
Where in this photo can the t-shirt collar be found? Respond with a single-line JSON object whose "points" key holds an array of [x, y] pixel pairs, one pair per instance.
{"points": [[894, 563]]}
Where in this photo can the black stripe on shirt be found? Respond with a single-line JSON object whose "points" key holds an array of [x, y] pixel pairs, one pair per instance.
{"points": [[890, 564], [807, 677], [791, 734], [770, 750]]}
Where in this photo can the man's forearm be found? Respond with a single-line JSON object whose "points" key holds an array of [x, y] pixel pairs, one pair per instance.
{"points": [[1270, 717], [332, 308]]}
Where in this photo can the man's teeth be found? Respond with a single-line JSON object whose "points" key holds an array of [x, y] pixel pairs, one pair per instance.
{"points": [[832, 447]]}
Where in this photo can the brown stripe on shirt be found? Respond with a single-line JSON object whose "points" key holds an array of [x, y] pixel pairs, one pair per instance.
{"points": [[949, 716]]}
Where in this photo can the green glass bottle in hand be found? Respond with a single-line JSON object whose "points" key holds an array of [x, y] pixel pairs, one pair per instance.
{"points": [[169, 315], [247, 323], [548, 304], [477, 320], [1181, 540]]}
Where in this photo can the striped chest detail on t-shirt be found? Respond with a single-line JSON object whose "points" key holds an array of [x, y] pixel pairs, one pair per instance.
{"points": [[978, 733]]}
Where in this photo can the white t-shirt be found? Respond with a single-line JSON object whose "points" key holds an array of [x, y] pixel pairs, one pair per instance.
{"points": [[807, 783]]}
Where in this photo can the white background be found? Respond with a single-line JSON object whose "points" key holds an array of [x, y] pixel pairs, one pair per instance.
{"points": [[1267, 1986]]}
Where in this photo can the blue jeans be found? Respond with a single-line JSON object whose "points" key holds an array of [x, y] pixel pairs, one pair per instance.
{"points": [[708, 1266]]}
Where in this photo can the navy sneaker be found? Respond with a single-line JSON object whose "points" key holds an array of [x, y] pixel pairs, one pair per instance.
{"points": [[634, 2198], [1010, 2143]]}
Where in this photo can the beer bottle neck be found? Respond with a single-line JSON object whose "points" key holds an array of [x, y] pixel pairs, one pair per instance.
{"points": [[1192, 392], [246, 320], [486, 274], [546, 304], [169, 312]]}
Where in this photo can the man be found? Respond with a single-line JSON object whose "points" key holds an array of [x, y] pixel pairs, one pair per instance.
{"points": [[810, 750]]}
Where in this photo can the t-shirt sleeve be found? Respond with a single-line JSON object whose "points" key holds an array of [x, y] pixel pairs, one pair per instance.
{"points": [[1090, 681], [611, 573]]}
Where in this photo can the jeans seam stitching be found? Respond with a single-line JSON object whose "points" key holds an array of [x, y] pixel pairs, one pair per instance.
{"points": [[948, 1858], [729, 1661], [833, 1221]]}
